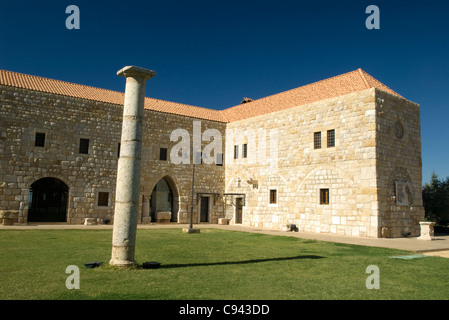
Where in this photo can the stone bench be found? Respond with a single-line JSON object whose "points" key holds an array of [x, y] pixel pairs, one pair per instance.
{"points": [[9, 217], [163, 216]]}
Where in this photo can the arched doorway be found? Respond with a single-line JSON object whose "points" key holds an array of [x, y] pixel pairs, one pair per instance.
{"points": [[164, 198], [48, 201]]}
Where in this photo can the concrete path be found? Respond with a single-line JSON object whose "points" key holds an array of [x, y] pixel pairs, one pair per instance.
{"points": [[437, 247]]}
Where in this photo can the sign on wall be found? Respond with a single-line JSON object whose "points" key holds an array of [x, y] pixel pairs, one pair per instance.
{"points": [[404, 194]]}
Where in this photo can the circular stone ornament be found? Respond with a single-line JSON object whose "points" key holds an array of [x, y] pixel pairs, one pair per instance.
{"points": [[398, 129]]}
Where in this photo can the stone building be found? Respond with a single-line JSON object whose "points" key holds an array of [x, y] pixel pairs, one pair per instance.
{"points": [[339, 156]]}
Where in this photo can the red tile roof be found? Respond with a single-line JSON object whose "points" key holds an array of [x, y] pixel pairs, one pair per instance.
{"points": [[25, 81], [333, 87]]}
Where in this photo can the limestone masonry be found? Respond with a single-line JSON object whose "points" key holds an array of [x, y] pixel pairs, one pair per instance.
{"points": [[339, 156]]}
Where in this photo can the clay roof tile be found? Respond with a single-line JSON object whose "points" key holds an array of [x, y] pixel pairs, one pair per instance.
{"points": [[332, 87]]}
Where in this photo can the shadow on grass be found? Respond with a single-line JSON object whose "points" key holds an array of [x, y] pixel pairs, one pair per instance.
{"points": [[182, 265]]}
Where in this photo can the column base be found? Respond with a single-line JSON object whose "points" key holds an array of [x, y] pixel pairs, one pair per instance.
{"points": [[188, 230], [122, 263], [122, 256]]}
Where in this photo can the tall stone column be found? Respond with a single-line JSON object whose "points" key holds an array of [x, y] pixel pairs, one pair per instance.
{"points": [[129, 166]]}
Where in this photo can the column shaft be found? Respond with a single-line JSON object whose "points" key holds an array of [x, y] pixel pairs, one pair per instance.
{"points": [[129, 168]]}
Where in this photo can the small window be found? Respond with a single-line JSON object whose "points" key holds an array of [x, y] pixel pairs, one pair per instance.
{"points": [[330, 138], [273, 197], [103, 199], [219, 161], [163, 154], [324, 196], [118, 150], [198, 158], [245, 150], [317, 140], [84, 146], [39, 140], [236, 152]]}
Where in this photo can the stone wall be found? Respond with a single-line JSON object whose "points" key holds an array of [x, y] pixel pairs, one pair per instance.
{"points": [[361, 170], [65, 120], [347, 170], [398, 151]]}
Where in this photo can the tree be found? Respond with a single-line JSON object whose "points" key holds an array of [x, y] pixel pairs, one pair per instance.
{"points": [[436, 200]]}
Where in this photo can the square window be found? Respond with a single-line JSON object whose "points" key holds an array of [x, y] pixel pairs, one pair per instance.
{"points": [[324, 196], [103, 199], [273, 197], [163, 154], [245, 150], [84, 146], [330, 138], [39, 140], [317, 140], [236, 152]]}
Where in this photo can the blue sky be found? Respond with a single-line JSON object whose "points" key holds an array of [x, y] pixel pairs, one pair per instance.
{"points": [[214, 53]]}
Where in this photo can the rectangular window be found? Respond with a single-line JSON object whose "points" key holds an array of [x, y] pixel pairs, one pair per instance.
{"points": [[273, 197], [84, 146], [330, 138], [118, 150], [219, 160], [236, 152], [324, 196], [103, 199], [39, 140], [317, 140], [245, 150], [163, 154]]}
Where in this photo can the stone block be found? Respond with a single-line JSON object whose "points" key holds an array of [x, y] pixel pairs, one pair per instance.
{"points": [[90, 221], [8, 217], [163, 216], [427, 230], [223, 221], [188, 230], [146, 220]]}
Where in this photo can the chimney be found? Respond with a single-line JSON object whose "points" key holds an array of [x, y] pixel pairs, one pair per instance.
{"points": [[245, 100]]}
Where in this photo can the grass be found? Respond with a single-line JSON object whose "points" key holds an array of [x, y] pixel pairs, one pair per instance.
{"points": [[214, 264]]}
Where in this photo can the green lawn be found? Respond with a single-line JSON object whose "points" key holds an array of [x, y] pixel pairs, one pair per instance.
{"points": [[214, 264]]}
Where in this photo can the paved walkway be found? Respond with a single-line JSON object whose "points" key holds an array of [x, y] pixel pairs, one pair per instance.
{"points": [[438, 247]]}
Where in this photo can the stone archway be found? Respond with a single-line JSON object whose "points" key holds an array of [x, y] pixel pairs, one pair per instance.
{"points": [[164, 198], [48, 201]]}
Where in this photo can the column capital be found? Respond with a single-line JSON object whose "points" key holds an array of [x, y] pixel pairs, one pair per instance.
{"points": [[136, 72]]}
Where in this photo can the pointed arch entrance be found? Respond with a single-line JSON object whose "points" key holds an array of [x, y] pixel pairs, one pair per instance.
{"points": [[164, 198], [48, 201]]}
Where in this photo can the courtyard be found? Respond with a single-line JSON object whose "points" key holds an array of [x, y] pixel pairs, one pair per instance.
{"points": [[215, 264]]}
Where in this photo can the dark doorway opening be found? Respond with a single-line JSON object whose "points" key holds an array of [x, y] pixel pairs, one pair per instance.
{"points": [[204, 211], [238, 210], [48, 201], [163, 199]]}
